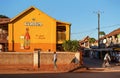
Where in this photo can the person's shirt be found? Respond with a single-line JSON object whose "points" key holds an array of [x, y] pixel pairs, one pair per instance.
{"points": [[107, 57], [55, 56]]}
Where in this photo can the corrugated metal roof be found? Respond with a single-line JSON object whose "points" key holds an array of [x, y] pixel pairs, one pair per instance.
{"points": [[4, 20]]}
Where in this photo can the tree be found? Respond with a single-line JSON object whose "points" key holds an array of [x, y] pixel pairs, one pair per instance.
{"points": [[102, 33], [3, 16], [92, 40], [70, 45]]}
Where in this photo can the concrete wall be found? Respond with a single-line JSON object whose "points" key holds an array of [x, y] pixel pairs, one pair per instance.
{"points": [[16, 59], [62, 57], [34, 59]]}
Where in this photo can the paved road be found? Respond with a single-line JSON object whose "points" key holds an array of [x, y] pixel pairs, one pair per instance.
{"points": [[63, 75], [92, 62], [97, 63]]}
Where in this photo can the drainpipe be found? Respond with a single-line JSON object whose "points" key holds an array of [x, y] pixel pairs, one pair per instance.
{"points": [[13, 37]]}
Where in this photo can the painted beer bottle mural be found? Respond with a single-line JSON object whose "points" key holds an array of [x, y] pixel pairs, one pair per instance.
{"points": [[27, 39]]}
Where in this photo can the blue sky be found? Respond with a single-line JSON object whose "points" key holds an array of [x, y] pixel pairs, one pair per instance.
{"points": [[82, 14]]}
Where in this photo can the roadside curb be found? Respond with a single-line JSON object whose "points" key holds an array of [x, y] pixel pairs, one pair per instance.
{"points": [[28, 72], [76, 70]]}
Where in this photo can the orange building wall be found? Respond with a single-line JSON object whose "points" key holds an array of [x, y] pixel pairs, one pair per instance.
{"points": [[43, 36], [44, 47]]}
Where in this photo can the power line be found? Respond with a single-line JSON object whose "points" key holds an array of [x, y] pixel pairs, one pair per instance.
{"points": [[110, 26], [84, 31], [95, 29]]}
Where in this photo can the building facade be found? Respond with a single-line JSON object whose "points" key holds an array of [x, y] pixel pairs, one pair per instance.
{"points": [[4, 34], [112, 39], [85, 42], [33, 29]]}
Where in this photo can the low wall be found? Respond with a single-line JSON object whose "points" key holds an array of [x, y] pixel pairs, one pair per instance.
{"points": [[62, 57], [34, 59], [16, 59]]}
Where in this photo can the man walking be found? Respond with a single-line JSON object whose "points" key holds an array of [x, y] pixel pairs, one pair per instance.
{"points": [[106, 60], [55, 60]]}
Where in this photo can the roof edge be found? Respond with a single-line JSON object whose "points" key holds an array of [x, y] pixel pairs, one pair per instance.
{"points": [[63, 22], [21, 13], [38, 10]]}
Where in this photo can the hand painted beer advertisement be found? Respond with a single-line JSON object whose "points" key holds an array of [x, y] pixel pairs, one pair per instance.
{"points": [[25, 40], [22, 42]]}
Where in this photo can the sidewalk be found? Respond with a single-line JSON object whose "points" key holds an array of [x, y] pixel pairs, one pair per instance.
{"points": [[43, 69]]}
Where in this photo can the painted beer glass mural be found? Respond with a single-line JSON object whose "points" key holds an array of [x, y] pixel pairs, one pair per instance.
{"points": [[22, 42]]}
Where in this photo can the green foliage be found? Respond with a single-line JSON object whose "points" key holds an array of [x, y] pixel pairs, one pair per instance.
{"points": [[70, 45], [102, 33], [3, 16], [92, 40]]}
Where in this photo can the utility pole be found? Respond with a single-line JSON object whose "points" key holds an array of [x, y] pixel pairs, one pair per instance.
{"points": [[98, 29], [98, 14]]}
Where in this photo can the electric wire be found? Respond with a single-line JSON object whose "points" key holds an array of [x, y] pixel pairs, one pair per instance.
{"points": [[93, 31]]}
